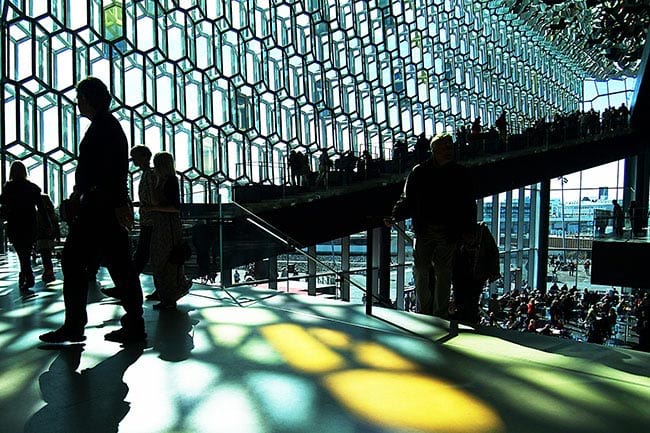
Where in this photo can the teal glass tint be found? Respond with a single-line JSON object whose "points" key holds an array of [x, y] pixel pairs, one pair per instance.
{"points": [[230, 87]]}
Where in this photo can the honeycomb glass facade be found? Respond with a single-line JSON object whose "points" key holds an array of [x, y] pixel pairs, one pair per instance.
{"points": [[229, 87]]}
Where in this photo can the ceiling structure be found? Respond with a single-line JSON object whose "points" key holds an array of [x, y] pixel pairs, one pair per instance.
{"points": [[604, 37]]}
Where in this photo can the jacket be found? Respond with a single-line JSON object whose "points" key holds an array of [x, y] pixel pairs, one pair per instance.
{"points": [[438, 195]]}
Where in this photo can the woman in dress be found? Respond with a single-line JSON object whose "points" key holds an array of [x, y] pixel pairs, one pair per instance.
{"points": [[169, 277]]}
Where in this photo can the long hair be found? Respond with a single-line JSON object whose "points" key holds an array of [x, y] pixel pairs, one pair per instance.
{"points": [[17, 170], [163, 165]]}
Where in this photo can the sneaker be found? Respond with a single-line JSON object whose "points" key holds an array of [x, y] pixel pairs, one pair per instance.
{"points": [[123, 335], [113, 292], [62, 335], [27, 293], [26, 282]]}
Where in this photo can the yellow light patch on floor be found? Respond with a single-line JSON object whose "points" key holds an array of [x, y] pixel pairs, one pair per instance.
{"points": [[432, 405], [378, 356], [337, 339], [302, 350]]}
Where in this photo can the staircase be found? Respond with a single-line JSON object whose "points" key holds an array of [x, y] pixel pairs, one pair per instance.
{"points": [[320, 216]]}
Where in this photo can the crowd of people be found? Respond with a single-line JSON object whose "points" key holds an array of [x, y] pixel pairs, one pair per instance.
{"points": [[476, 139], [99, 216], [472, 140], [569, 312], [348, 165], [442, 233]]}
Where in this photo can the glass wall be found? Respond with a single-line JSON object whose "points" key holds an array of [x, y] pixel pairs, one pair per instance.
{"points": [[581, 203], [581, 211], [600, 95], [513, 220], [229, 87]]}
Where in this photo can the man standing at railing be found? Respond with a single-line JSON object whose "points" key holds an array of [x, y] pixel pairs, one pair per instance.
{"points": [[324, 165], [294, 167], [619, 219], [438, 196]]}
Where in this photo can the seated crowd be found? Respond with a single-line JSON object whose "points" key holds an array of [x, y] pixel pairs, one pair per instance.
{"points": [[592, 315]]}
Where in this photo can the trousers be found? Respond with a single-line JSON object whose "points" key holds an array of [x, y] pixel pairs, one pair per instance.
{"points": [[98, 237], [433, 248]]}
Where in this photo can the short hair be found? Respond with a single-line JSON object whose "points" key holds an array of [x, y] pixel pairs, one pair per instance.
{"points": [[95, 91], [17, 170], [443, 138], [142, 150], [163, 162]]}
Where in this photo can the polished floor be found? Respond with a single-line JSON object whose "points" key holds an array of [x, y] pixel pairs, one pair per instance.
{"points": [[254, 360]]}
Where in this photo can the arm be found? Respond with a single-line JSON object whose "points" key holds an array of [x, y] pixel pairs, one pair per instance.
{"points": [[118, 188], [404, 206]]}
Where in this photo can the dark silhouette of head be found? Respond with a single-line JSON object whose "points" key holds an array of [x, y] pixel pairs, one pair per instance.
{"points": [[95, 94], [17, 171]]}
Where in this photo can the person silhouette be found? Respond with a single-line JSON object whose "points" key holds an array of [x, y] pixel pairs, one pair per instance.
{"points": [[88, 401], [618, 218], [324, 165], [422, 148], [168, 276], [99, 221], [438, 196], [20, 199], [141, 157]]}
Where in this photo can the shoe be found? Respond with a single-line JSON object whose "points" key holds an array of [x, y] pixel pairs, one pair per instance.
{"points": [[48, 277], [164, 305], [62, 335], [123, 335], [27, 293], [155, 296], [26, 281], [113, 292]]}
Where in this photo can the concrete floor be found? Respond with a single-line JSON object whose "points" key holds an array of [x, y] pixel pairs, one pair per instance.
{"points": [[254, 360]]}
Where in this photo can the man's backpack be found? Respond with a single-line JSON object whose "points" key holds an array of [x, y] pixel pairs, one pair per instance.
{"points": [[486, 260]]}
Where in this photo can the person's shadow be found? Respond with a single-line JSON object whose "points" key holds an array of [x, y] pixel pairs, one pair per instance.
{"points": [[88, 401]]}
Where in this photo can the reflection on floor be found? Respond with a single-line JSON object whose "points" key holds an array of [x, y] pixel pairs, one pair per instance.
{"points": [[253, 360]]}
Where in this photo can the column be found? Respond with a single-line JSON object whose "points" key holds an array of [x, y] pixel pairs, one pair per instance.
{"points": [[542, 233]]}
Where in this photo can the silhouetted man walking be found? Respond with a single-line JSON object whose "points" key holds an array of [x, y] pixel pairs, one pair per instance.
{"points": [[99, 221], [438, 196]]}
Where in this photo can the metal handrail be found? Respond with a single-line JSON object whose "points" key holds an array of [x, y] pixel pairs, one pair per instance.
{"points": [[273, 231]]}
